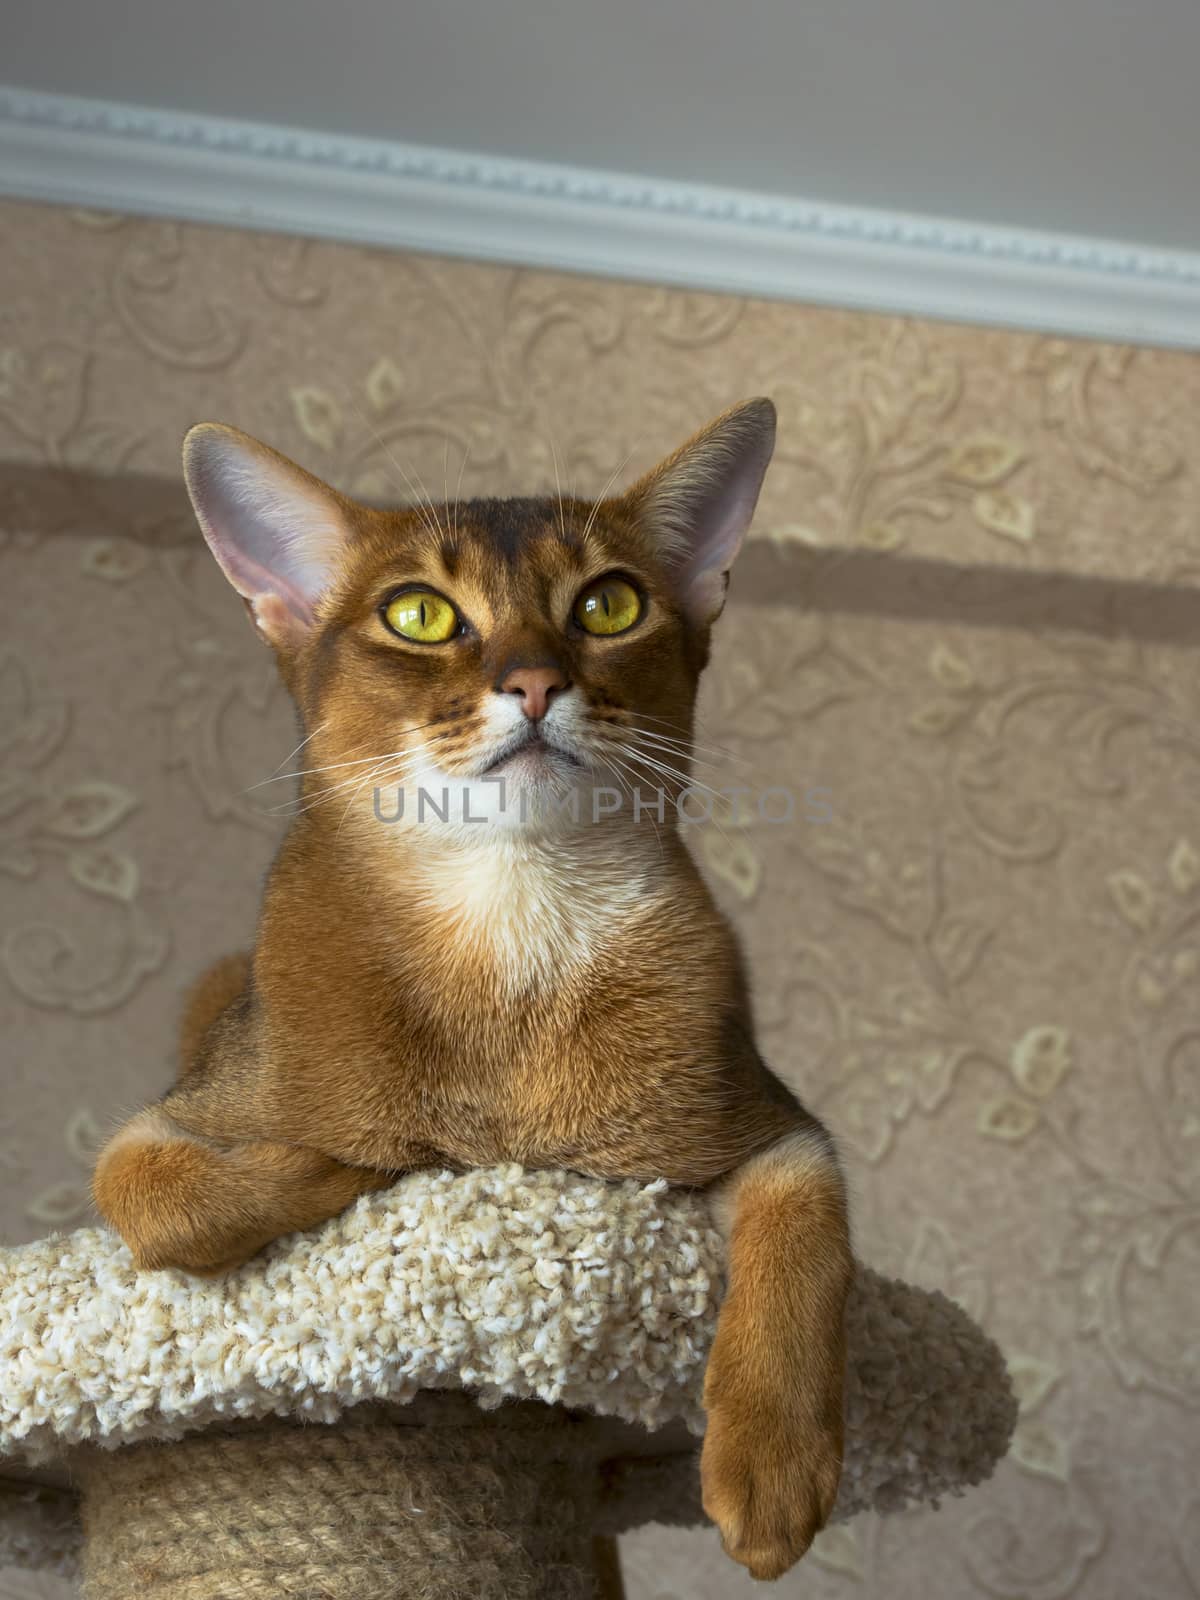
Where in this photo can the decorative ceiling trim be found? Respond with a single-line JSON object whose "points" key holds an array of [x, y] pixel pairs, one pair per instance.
{"points": [[242, 174]]}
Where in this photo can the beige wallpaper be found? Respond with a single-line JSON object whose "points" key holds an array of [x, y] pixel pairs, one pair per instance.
{"points": [[970, 618]]}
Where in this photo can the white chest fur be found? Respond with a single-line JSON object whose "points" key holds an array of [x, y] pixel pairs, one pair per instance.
{"points": [[534, 909]]}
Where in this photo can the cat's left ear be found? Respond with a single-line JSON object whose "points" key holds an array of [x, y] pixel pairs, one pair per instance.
{"points": [[698, 503]]}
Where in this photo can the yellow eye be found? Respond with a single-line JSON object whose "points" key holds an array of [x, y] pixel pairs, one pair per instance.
{"points": [[422, 615], [610, 605]]}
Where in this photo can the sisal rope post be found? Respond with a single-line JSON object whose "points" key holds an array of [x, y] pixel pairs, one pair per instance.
{"points": [[439, 1501]]}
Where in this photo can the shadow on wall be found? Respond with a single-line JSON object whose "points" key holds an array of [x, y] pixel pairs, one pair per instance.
{"points": [[56, 501]]}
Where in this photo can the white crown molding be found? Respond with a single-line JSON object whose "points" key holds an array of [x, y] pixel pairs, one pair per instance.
{"points": [[242, 174]]}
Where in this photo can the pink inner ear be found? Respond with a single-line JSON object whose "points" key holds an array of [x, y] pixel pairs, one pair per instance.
{"points": [[257, 582], [276, 531], [719, 529], [703, 593], [276, 621], [705, 497]]}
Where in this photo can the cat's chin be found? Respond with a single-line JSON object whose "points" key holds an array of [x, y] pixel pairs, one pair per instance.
{"points": [[537, 766], [536, 786], [543, 790], [530, 753]]}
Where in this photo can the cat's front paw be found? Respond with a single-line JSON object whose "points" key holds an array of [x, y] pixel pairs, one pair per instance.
{"points": [[769, 1482]]}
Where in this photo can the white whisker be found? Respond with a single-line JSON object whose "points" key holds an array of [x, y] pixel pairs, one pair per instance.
{"points": [[562, 516], [384, 766], [462, 467], [684, 734], [293, 754], [672, 773], [595, 511], [683, 747], [611, 762], [361, 761], [394, 771], [432, 526]]}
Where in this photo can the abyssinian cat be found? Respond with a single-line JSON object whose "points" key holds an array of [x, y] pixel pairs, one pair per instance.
{"points": [[507, 976]]}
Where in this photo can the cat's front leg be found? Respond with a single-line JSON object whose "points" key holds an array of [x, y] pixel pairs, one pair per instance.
{"points": [[179, 1199], [772, 1452]]}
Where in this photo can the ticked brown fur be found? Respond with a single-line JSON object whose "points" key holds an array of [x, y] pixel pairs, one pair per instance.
{"points": [[456, 995]]}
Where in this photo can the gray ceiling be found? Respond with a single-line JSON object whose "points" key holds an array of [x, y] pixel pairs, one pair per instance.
{"points": [[1080, 116]]}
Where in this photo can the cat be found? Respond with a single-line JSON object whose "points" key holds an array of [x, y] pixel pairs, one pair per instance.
{"points": [[513, 972]]}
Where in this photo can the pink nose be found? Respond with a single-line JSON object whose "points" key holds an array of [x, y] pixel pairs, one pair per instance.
{"points": [[536, 686]]}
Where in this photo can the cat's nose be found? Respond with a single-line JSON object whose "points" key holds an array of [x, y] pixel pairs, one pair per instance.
{"points": [[536, 686]]}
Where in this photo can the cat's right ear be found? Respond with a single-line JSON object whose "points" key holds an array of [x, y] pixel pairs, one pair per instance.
{"points": [[276, 531]]}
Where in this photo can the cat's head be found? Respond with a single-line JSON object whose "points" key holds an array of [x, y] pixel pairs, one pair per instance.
{"points": [[555, 643]]}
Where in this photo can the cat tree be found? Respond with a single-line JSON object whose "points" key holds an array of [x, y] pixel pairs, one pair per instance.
{"points": [[455, 1389]]}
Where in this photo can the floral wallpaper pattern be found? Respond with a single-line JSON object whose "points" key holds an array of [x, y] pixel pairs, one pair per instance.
{"points": [[965, 634]]}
